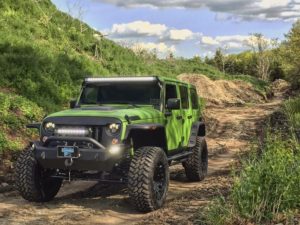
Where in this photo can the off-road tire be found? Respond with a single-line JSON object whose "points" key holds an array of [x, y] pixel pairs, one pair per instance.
{"points": [[32, 181], [149, 171], [196, 164]]}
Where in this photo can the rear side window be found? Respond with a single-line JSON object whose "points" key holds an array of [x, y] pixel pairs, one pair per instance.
{"points": [[170, 91], [184, 95], [194, 99]]}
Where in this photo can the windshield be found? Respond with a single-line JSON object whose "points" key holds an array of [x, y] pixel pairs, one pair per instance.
{"points": [[121, 93]]}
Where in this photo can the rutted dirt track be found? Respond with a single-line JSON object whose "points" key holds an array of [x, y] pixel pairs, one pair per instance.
{"points": [[230, 133]]}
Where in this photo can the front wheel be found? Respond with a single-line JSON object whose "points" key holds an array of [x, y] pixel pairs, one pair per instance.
{"points": [[197, 163], [34, 183], [148, 178]]}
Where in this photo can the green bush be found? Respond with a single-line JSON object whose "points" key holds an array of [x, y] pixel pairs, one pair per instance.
{"points": [[267, 185], [292, 109], [3, 142], [15, 113]]}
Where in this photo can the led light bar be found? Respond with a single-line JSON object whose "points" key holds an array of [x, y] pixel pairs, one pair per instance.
{"points": [[72, 131], [119, 79]]}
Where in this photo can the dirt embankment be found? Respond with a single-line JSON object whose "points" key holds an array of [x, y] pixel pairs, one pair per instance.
{"points": [[223, 92]]}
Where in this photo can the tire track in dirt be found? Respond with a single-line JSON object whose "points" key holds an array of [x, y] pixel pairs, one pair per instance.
{"points": [[231, 131]]}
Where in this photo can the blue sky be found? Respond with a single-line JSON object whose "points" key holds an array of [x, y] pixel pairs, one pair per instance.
{"points": [[186, 27]]}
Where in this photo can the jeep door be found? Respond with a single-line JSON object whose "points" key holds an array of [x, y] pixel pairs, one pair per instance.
{"points": [[194, 101], [186, 113], [173, 119]]}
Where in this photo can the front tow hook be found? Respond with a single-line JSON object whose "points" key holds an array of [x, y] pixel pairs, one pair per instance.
{"points": [[69, 162]]}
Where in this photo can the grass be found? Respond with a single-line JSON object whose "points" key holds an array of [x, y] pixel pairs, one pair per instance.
{"points": [[15, 113], [292, 109], [267, 188], [45, 56]]}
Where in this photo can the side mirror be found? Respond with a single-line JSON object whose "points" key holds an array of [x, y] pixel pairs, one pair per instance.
{"points": [[173, 103], [73, 104]]}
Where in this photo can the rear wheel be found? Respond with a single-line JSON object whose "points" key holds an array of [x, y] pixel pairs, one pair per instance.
{"points": [[32, 181], [148, 178], [197, 163]]}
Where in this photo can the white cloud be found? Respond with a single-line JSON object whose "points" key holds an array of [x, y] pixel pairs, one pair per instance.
{"points": [[229, 43], [266, 4], [243, 9], [180, 35], [161, 48], [142, 29], [143, 35], [206, 40], [138, 28], [234, 38]]}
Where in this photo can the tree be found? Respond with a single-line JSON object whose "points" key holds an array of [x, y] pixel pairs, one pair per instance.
{"points": [[209, 61], [77, 10], [290, 51], [170, 56], [261, 51], [98, 53], [219, 60]]}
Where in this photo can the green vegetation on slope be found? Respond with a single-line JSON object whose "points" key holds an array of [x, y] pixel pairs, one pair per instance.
{"points": [[45, 56], [15, 113], [290, 55], [292, 108], [267, 189]]}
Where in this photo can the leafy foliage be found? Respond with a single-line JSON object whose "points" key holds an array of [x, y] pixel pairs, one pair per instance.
{"points": [[292, 109], [45, 54], [275, 61], [15, 113], [268, 184], [290, 52]]}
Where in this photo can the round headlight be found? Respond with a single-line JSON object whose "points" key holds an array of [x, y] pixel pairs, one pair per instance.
{"points": [[49, 127], [112, 129]]}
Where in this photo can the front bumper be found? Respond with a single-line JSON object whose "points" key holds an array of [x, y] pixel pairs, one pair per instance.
{"points": [[99, 159]]}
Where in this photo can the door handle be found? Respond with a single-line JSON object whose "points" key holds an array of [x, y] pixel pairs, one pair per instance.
{"points": [[190, 117], [178, 117]]}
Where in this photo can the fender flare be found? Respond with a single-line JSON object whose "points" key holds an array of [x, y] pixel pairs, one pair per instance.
{"points": [[197, 129], [144, 126]]}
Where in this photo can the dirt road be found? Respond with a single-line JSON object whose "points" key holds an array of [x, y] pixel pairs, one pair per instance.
{"points": [[230, 133]]}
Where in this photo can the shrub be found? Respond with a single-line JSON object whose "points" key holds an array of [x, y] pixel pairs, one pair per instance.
{"points": [[269, 183], [292, 109], [15, 113]]}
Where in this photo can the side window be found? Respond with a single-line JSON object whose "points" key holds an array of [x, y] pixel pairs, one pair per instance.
{"points": [[194, 99], [184, 95], [170, 92]]}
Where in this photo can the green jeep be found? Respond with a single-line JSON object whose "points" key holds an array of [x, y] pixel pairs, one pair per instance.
{"points": [[120, 130]]}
